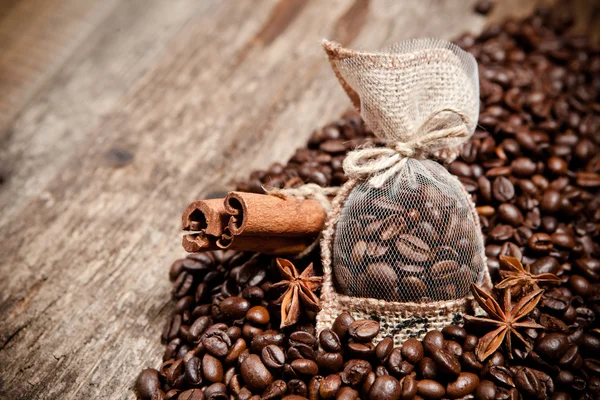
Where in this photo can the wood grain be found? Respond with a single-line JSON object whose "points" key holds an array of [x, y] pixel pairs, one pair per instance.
{"points": [[144, 107]]}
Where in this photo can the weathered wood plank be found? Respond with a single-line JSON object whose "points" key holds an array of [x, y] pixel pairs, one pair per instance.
{"points": [[36, 37], [165, 102]]}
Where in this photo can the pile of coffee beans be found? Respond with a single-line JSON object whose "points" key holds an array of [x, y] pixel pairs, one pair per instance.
{"points": [[533, 171]]}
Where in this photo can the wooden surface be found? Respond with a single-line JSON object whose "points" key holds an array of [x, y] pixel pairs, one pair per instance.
{"points": [[113, 116]]}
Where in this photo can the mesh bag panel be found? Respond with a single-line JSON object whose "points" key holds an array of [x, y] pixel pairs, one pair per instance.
{"points": [[412, 240]]}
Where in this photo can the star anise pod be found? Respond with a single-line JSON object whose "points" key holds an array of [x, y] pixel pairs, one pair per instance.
{"points": [[299, 294], [520, 279], [506, 318]]}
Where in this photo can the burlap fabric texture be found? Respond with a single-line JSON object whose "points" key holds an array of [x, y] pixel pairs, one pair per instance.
{"points": [[422, 97]]}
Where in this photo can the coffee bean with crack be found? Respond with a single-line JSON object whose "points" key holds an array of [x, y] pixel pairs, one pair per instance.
{"points": [[413, 248]]}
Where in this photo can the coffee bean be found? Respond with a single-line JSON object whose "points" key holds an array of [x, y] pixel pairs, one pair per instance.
{"points": [[341, 324], [412, 351], [433, 341], [330, 341], [385, 388], [486, 390], [579, 285], [503, 189], [445, 362], [216, 391], [384, 348], [510, 214], [212, 369], [540, 242], [465, 384], [266, 338], [304, 367], [258, 315], [347, 393], [255, 374], [363, 330], [329, 363], [234, 307], [147, 384], [216, 342], [313, 387], [550, 202], [330, 386], [546, 264], [273, 356], [355, 372], [427, 368], [430, 389], [275, 390], [552, 345], [413, 248]]}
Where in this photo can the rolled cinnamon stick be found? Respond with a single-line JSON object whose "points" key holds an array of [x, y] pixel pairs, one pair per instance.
{"points": [[208, 216], [199, 241], [273, 245], [264, 215]]}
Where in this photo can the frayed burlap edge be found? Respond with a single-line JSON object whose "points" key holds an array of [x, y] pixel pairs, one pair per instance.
{"points": [[399, 321]]}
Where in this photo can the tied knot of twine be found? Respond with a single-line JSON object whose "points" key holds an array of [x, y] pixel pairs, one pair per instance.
{"points": [[380, 163]]}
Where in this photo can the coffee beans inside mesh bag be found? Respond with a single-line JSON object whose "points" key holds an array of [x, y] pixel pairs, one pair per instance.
{"points": [[408, 251]]}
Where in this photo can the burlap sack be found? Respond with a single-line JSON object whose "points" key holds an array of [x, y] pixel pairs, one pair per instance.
{"points": [[403, 242]]}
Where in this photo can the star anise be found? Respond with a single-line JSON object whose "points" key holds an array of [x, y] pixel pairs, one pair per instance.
{"points": [[506, 318], [520, 279], [299, 294]]}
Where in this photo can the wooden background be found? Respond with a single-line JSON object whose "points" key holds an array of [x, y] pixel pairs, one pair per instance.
{"points": [[113, 116]]}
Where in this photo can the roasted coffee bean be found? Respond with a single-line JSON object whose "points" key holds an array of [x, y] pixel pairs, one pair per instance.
{"points": [[255, 374], [258, 315], [330, 387], [486, 390], [385, 388], [266, 338], [427, 368], [361, 350], [147, 384], [330, 341], [216, 391], [465, 384], [540, 242], [304, 367], [383, 349], [212, 369], [298, 388], [234, 307], [413, 248], [313, 387], [216, 342], [433, 341], [412, 351], [273, 356], [275, 390], [329, 363], [355, 372], [347, 393], [503, 189], [552, 345], [445, 362], [341, 324], [363, 330], [510, 214], [454, 332], [430, 389]]}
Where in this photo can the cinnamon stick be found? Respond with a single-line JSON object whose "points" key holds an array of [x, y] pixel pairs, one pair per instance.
{"points": [[199, 241], [271, 216], [208, 216], [274, 245]]}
